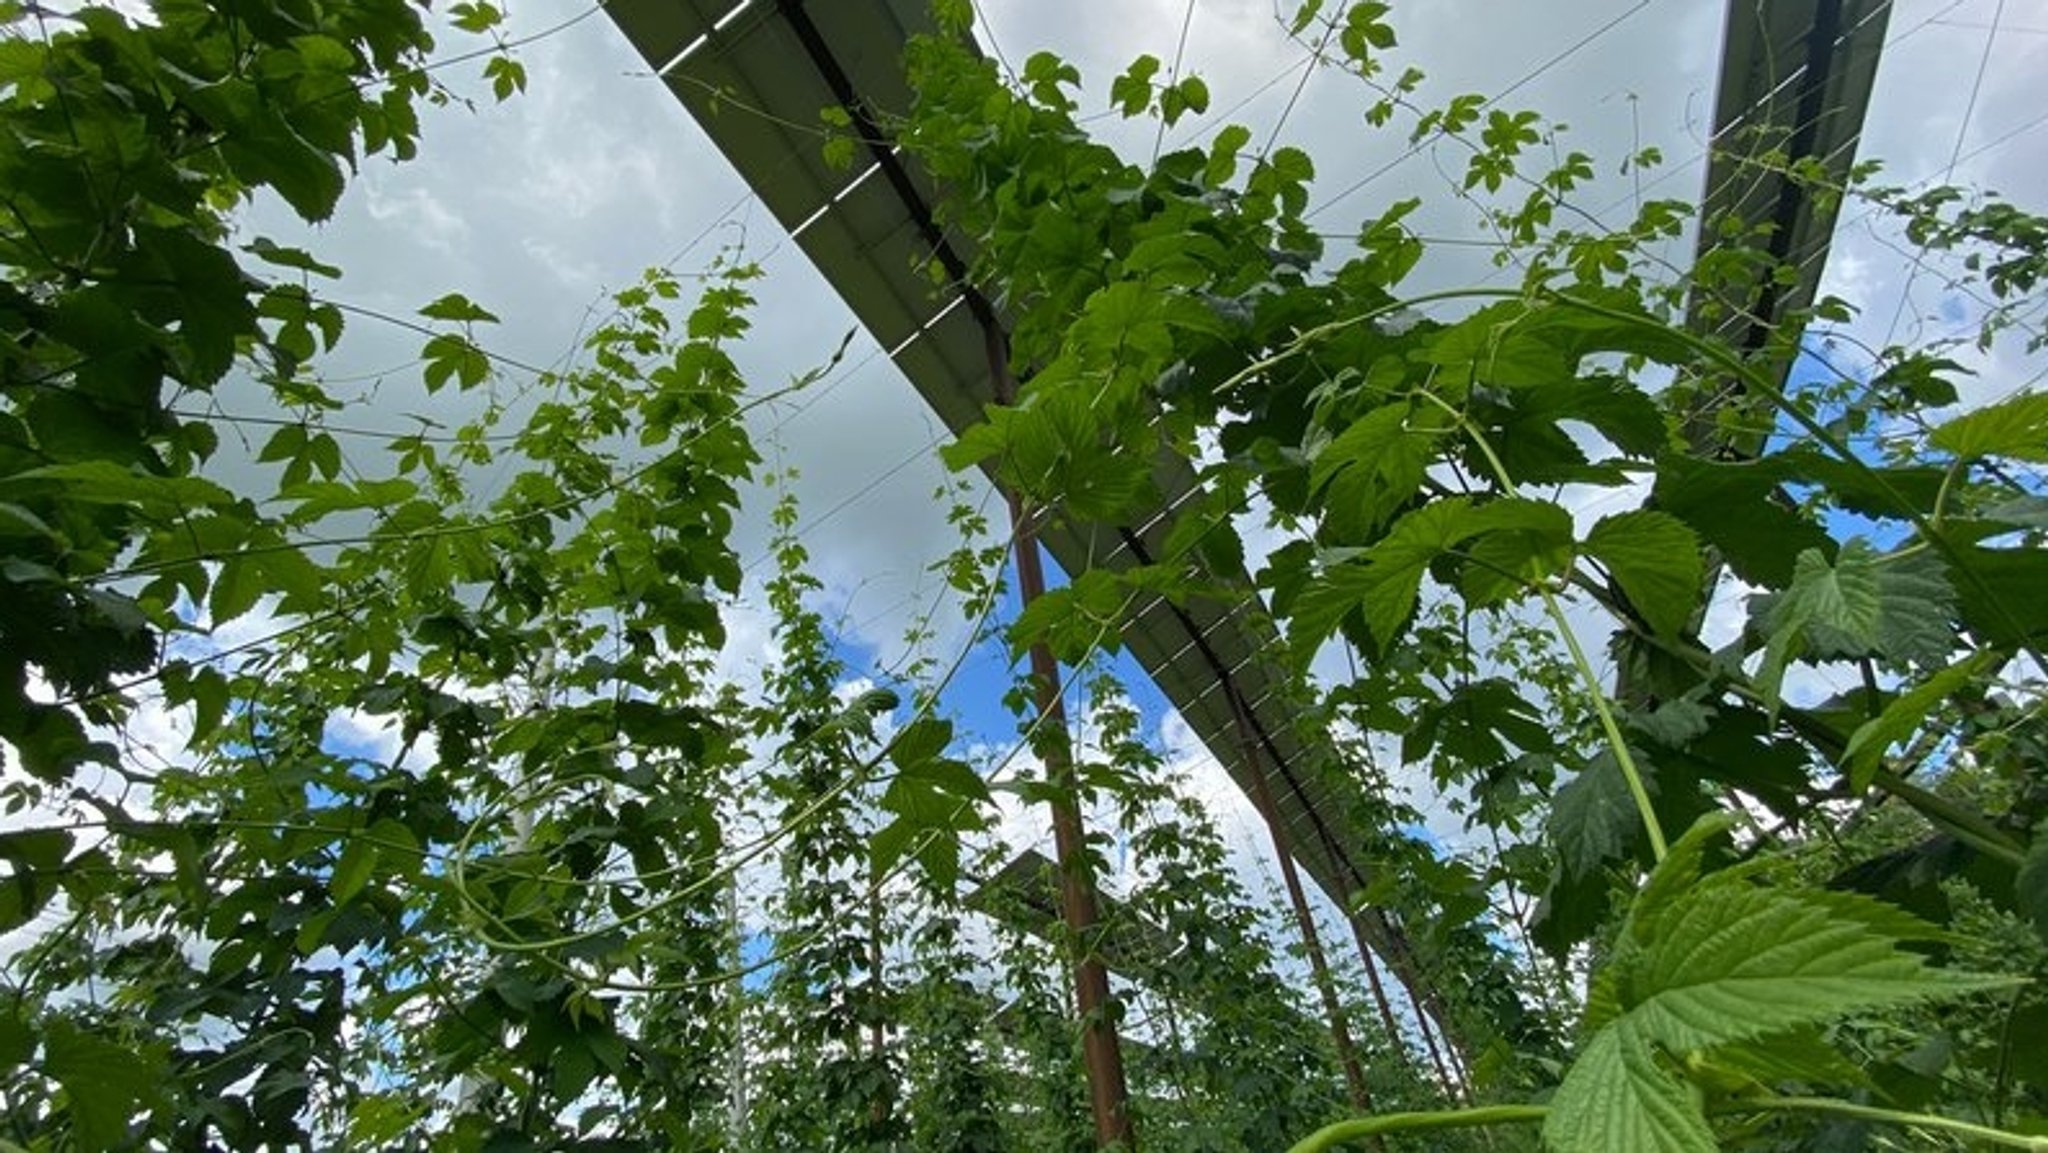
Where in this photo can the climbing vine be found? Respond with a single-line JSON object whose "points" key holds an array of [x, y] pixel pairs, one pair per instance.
{"points": [[462, 835], [1422, 448]]}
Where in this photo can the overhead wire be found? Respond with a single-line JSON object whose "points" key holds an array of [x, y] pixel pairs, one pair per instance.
{"points": [[1308, 71], [1955, 153], [1187, 22], [1527, 78]]}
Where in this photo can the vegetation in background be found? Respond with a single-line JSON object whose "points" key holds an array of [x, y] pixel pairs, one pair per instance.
{"points": [[1714, 915]]}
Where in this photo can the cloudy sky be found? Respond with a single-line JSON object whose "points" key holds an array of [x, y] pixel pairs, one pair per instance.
{"points": [[538, 207]]}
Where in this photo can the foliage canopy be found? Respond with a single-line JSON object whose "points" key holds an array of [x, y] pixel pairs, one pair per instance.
{"points": [[1718, 914]]}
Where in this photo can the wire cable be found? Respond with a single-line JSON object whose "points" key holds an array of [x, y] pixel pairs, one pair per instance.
{"points": [[1955, 154], [1527, 78]]}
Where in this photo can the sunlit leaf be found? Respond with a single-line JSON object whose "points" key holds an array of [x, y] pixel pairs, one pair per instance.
{"points": [[1904, 716], [2015, 427]]}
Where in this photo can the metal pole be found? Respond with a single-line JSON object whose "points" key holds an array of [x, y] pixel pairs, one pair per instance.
{"points": [[1379, 994], [1311, 940], [1108, 1096], [1372, 980]]}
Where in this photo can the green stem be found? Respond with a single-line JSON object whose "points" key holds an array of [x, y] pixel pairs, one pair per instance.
{"points": [[1830, 1105], [1331, 1136], [1948, 478], [1957, 821], [1598, 695], [1623, 758]]}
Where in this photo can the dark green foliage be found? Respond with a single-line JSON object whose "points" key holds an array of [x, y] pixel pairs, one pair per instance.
{"points": [[1414, 459], [449, 855]]}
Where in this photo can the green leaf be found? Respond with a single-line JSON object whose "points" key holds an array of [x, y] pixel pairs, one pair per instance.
{"points": [[1917, 610], [1073, 620], [459, 308], [358, 863], [17, 1040], [1896, 606], [1616, 1097], [1736, 960], [1904, 716], [1672, 723], [450, 357], [1471, 723], [1801, 1055], [507, 76], [1371, 470], [1395, 566], [1832, 610], [1131, 93], [322, 498], [236, 589], [2016, 427], [1655, 559], [473, 16], [1044, 74], [932, 792], [263, 147], [1840, 601], [1593, 817], [1532, 544], [1734, 507], [2032, 883], [270, 252], [1385, 580], [920, 741], [35, 849], [1674, 876], [1223, 152], [894, 841], [2025, 511], [1322, 605], [104, 482], [1718, 962], [103, 1080]]}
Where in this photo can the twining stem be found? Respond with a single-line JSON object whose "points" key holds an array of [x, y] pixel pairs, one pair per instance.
{"points": [[1953, 819], [1891, 1117], [1623, 758], [1331, 1136]]}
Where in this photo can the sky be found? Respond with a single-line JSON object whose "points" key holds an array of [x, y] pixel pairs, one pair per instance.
{"points": [[538, 207]]}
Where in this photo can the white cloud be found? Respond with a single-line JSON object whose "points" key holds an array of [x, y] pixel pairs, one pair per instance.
{"points": [[417, 212]]}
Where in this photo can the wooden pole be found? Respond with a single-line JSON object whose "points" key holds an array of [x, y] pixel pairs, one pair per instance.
{"points": [[1372, 979], [1108, 1094]]}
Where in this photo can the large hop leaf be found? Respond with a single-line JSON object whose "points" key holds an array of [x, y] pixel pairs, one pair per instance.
{"points": [[1709, 963], [1865, 604]]}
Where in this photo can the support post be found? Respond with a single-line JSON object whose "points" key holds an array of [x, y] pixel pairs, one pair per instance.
{"points": [[1108, 1095], [1379, 995], [1372, 978], [1311, 940]]}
